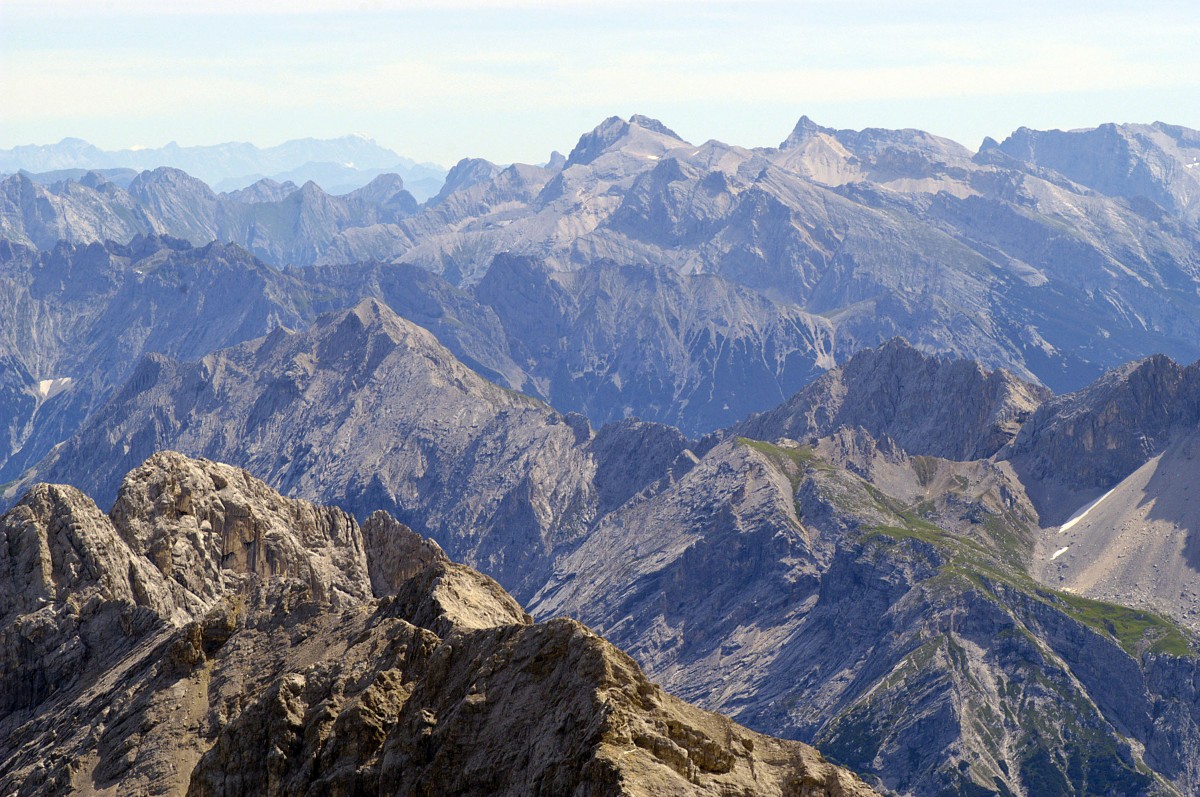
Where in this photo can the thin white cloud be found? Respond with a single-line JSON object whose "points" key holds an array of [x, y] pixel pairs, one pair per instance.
{"points": [[474, 84], [294, 7]]}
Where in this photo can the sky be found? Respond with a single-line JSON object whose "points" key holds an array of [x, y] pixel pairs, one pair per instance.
{"points": [[511, 80]]}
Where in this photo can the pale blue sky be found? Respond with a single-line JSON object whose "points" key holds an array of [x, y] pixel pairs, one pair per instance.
{"points": [[510, 80]]}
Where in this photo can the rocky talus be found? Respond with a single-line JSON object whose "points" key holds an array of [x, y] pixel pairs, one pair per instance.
{"points": [[210, 637]]}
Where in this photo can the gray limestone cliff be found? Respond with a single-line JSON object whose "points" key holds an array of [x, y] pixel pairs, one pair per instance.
{"points": [[1080, 444]]}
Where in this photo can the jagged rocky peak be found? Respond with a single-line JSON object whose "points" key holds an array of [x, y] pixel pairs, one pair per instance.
{"points": [[57, 544], [929, 405], [1087, 441], [276, 683], [142, 246], [641, 136], [804, 131], [464, 174], [207, 527]]}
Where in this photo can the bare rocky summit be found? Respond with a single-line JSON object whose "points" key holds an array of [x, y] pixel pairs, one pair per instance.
{"points": [[942, 407], [209, 637], [367, 411]]}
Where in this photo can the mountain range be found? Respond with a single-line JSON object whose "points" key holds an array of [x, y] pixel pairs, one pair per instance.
{"points": [[339, 165], [881, 532], [866, 440], [882, 233]]}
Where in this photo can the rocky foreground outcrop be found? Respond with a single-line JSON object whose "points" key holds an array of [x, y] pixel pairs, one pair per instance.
{"points": [[209, 637]]}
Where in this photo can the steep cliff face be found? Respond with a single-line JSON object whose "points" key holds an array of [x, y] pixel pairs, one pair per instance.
{"points": [[210, 637], [933, 406], [1076, 446]]}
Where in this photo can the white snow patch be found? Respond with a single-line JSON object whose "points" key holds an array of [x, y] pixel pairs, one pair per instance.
{"points": [[1082, 513], [1058, 553], [49, 388]]}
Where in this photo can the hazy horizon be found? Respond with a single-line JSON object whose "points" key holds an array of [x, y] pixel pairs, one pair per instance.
{"points": [[511, 80]]}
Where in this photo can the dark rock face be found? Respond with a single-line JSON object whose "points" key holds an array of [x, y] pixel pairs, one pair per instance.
{"points": [[937, 407], [696, 352], [1088, 441], [78, 318], [633, 455], [209, 637]]}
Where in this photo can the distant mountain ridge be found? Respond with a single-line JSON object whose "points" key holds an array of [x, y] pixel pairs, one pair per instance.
{"points": [[1019, 256], [80, 316], [338, 165], [279, 223]]}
